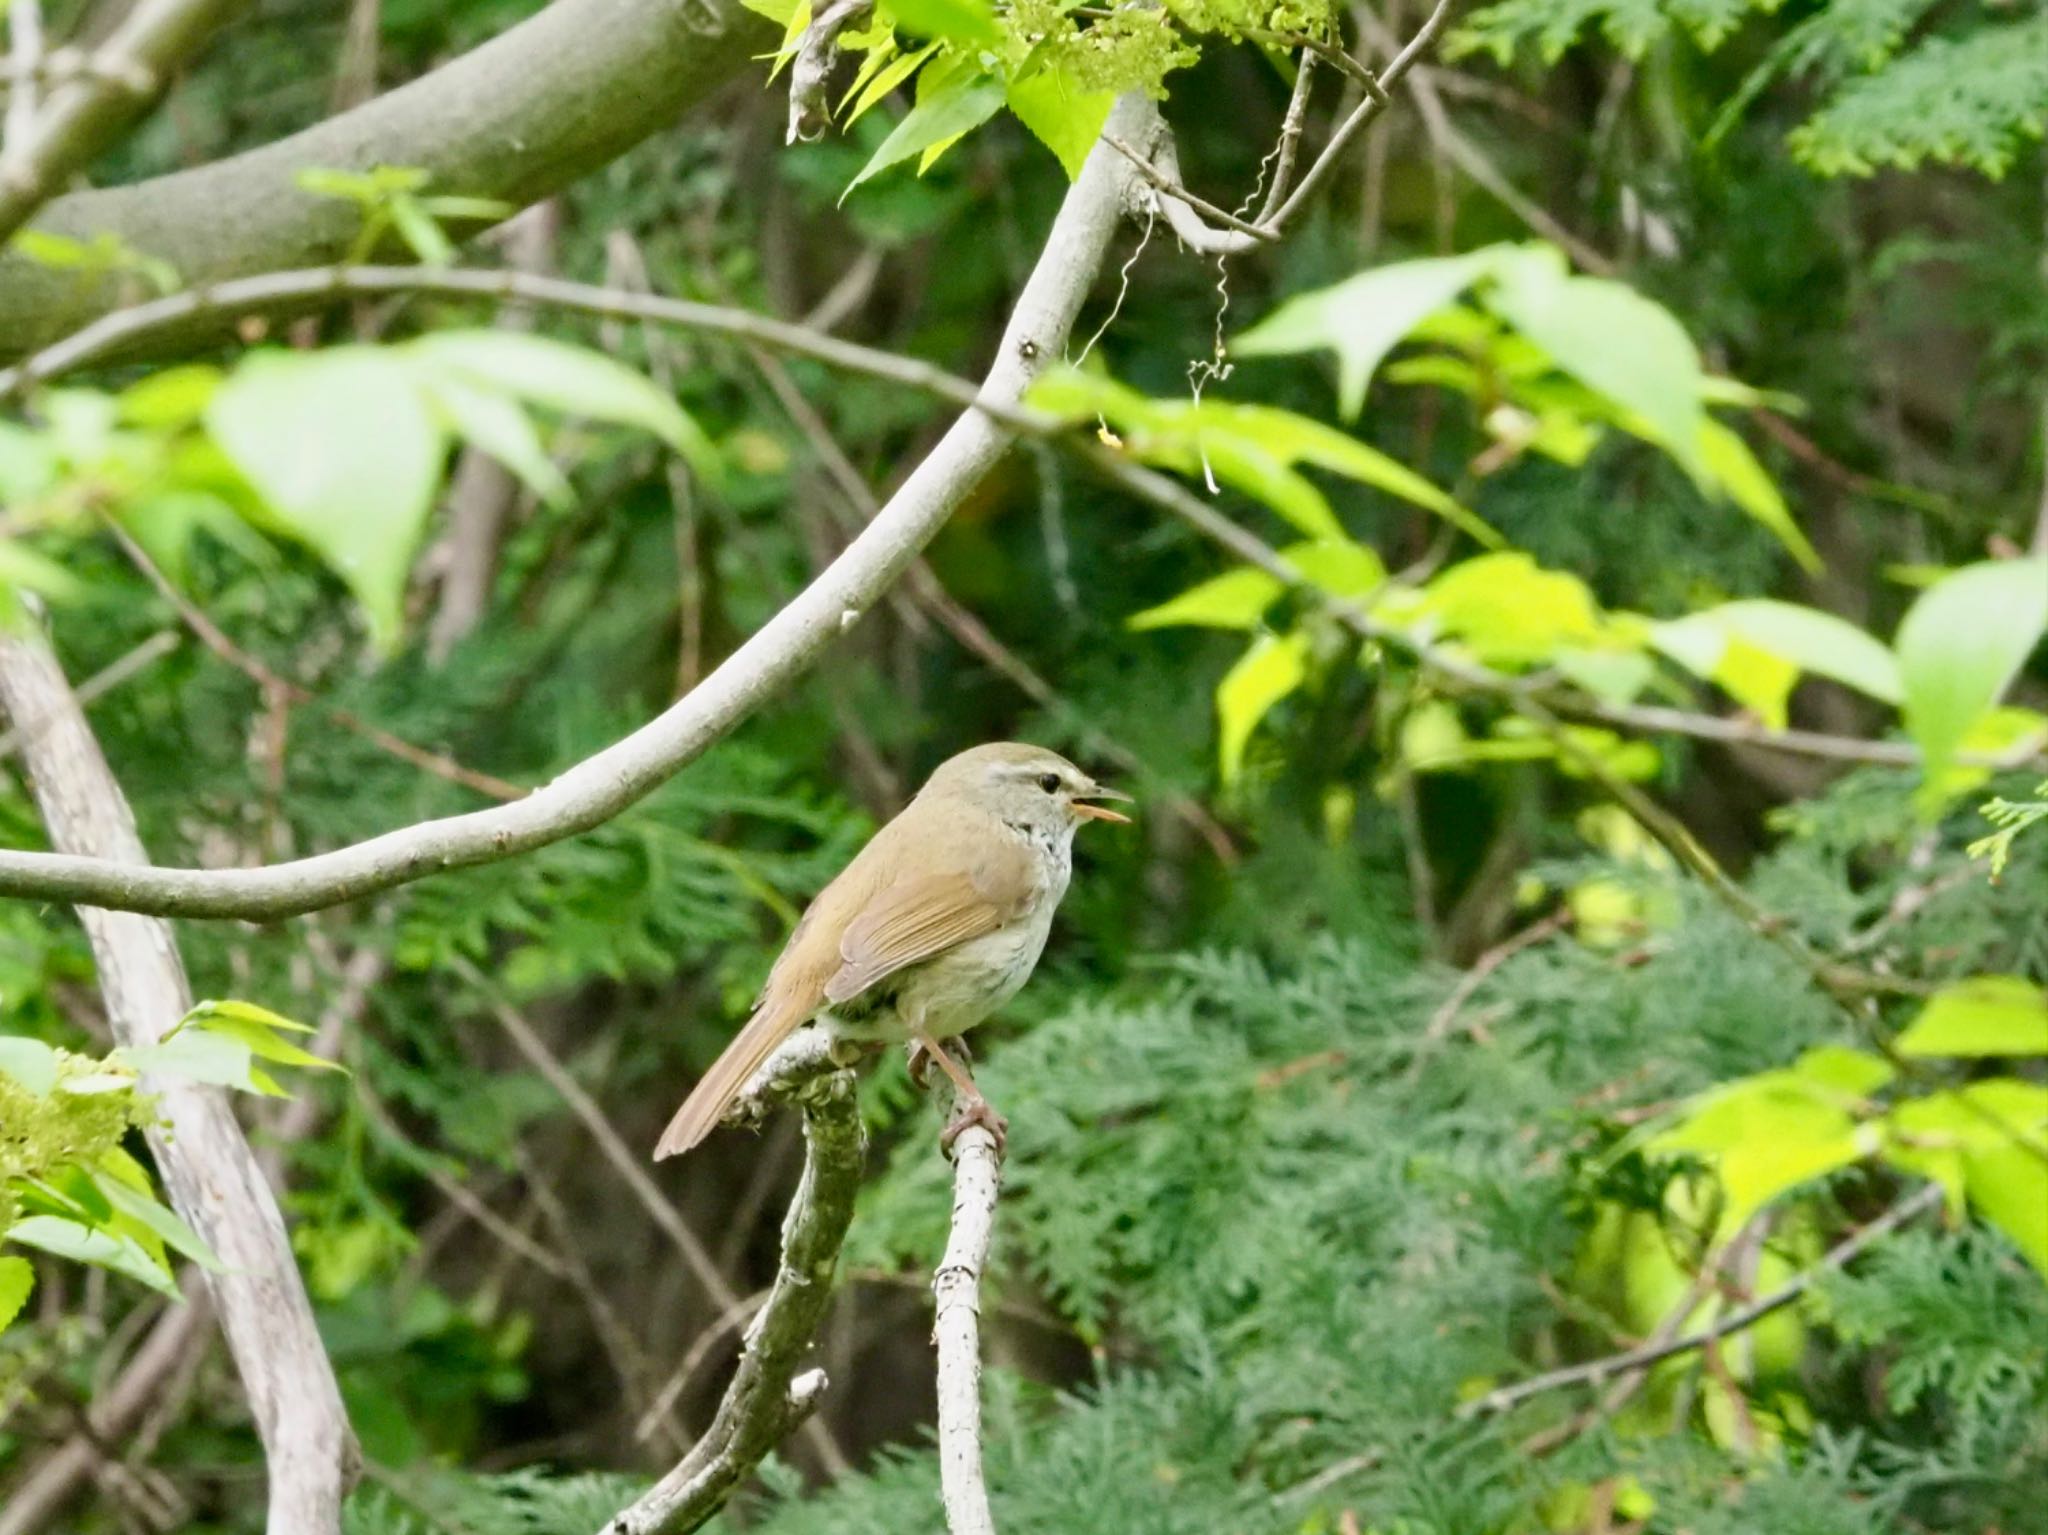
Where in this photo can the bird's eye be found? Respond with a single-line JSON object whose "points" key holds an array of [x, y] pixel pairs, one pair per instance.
{"points": [[1050, 782]]}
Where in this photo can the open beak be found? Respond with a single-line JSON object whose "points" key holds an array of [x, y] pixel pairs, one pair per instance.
{"points": [[1089, 812]]}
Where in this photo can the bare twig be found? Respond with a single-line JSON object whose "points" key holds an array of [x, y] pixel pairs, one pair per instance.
{"points": [[1536, 932], [215, 639], [1615, 1366], [767, 1396], [956, 1332], [179, 1334], [213, 1178], [528, 1042]]}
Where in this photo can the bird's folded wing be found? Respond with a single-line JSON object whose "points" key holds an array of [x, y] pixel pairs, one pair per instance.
{"points": [[917, 918]]}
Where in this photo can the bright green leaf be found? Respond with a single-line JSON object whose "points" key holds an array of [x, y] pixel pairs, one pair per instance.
{"points": [[346, 455], [17, 1280], [2009, 1186], [496, 424], [199, 1056], [1960, 646], [1814, 641], [1727, 462], [1364, 317], [1064, 118], [1985, 1015], [80, 1243], [1510, 611], [962, 103], [158, 1219], [1610, 338], [898, 70], [966, 21], [571, 379], [1233, 600], [30, 1062], [1274, 667]]}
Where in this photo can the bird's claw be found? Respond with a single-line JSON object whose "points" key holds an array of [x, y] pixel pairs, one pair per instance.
{"points": [[970, 1112]]}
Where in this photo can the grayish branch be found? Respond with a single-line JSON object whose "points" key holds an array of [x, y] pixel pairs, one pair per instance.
{"points": [[213, 1178], [514, 120], [767, 1397], [601, 786], [86, 114]]}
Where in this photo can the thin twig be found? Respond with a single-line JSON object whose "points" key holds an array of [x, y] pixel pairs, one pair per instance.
{"points": [[1536, 932], [1171, 187], [1928, 1197], [215, 639]]}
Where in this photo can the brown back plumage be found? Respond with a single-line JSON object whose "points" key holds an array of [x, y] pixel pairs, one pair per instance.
{"points": [[942, 872]]}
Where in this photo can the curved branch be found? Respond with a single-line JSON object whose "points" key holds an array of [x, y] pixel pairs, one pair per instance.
{"points": [[767, 1397], [956, 1332], [513, 120], [213, 1178], [86, 115], [601, 786]]}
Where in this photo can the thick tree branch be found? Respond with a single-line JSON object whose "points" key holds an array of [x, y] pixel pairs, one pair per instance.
{"points": [[84, 116], [515, 119], [956, 1332], [767, 1397], [603, 785], [213, 1178]]}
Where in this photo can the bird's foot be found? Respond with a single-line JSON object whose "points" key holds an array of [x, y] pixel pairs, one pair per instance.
{"points": [[969, 1112]]}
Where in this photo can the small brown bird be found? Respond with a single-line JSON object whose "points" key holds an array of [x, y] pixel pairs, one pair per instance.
{"points": [[935, 924]]}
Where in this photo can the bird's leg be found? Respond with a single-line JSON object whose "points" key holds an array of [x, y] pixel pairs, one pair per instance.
{"points": [[969, 1107], [923, 1051]]}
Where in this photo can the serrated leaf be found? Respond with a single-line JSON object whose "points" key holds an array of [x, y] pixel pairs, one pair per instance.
{"points": [[1363, 318], [894, 74], [1061, 116], [959, 105], [1985, 1015], [1273, 668], [1960, 646], [69, 1239], [17, 1282], [347, 457]]}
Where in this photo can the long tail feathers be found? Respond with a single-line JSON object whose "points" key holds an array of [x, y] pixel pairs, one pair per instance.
{"points": [[714, 1093]]}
